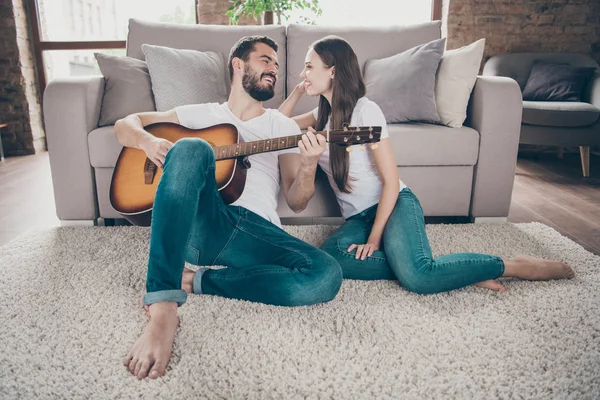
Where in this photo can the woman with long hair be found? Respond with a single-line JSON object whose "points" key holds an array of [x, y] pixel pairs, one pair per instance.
{"points": [[383, 236]]}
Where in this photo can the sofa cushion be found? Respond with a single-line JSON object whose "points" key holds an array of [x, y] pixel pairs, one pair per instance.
{"points": [[217, 38], [127, 88], [454, 82], [419, 144], [103, 147], [559, 113], [368, 43], [518, 65], [556, 82], [403, 85], [414, 144], [181, 77]]}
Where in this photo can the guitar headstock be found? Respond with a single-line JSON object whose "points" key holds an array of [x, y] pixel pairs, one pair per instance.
{"points": [[351, 135]]}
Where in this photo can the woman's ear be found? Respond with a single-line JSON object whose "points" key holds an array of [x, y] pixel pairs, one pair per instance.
{"points": [[332, 72]]}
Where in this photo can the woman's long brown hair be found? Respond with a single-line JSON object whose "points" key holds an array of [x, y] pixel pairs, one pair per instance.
{"points": [[348, 87]]}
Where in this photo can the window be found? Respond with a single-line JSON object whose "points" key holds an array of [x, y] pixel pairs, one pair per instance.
{"points": [[106, 19], [96, 20], [373, 12]]}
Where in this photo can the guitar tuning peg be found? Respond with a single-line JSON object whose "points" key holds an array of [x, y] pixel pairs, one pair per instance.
{"points": [[362, 147], [374, 146], [349, 149]]}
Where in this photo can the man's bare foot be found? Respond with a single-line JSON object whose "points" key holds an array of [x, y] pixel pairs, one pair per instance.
{"points": [[537, 269], [492, 285], [187, 280], [150, 354]]}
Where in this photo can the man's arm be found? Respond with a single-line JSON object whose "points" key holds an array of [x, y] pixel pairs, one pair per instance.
{"points": [[130, 132], [298, 170]]}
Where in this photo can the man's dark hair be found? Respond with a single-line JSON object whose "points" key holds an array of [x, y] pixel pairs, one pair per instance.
{"points": [[245, 46]]}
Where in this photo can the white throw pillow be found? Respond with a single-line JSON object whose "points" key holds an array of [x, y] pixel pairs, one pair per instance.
{"points": [[181, 77], [455, 79]]}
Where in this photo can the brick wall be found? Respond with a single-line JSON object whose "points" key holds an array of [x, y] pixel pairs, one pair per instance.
{"points": [[19, 95], [213, 12], [565, 26]]}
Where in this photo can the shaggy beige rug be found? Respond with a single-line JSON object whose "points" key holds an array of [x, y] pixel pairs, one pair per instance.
{"points": [[70, 311]]}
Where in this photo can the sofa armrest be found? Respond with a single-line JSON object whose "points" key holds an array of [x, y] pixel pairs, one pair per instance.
{"points": [[71, 111], [595, 90], [495, 111]]}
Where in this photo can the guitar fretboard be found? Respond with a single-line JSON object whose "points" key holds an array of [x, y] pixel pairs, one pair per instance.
{"points": [[258, 146]]}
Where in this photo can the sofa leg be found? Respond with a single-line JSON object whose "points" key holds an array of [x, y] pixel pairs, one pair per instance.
{"points": [[585, 160], [489, 220], [76, 222]]}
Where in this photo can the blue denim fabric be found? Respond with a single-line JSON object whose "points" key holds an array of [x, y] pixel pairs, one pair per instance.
{"points": [[191, 223], [405, 254]]}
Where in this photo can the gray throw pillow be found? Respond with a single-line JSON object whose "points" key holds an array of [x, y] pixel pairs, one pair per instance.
{"points": [[181, 77], [550, 81], [127, 88], [404, 85]]}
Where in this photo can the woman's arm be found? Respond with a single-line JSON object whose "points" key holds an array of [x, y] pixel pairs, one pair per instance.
{"points": [[288, 105], [304, 120], [388, 173]]}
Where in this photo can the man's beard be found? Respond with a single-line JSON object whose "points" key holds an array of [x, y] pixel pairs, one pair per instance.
{"points": [[252, 85]]}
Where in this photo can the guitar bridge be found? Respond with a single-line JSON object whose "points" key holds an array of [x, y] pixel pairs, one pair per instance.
{"points": [[149, 171]]}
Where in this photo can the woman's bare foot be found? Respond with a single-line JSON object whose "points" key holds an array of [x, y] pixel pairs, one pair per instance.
{"points": [[537, 269], [492, 285], [150, 354]]}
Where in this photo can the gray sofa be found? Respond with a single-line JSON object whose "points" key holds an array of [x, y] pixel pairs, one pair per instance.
{"points": [[464, 171], [555, 123]]}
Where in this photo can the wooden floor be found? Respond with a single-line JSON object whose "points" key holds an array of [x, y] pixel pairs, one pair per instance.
{"points": [[546, 190]]}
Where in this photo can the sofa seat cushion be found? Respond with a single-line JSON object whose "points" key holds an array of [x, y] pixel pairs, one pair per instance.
{"points": [[559, 113], [414, 144], [103, 147], [421, 144]]}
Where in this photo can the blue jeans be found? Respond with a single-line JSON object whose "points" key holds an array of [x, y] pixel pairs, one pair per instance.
{"points": [[191, 223], [405, 254]]}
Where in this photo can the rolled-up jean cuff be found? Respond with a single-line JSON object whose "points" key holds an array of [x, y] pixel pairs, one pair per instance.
{"points": [[178, 296], [197, 285]]}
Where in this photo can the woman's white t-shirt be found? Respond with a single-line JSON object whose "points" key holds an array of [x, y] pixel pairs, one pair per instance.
{"points": [[365, 183]]}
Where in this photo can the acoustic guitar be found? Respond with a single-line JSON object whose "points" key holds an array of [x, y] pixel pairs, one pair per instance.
{"points": [[136, 178]]}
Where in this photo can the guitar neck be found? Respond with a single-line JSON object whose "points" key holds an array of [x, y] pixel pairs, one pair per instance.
{"points": [[257, 146]]}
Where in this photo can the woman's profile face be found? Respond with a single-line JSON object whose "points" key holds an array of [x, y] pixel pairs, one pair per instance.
{"points": [[317, 76]]}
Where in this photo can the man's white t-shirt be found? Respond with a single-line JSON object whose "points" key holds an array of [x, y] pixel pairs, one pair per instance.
{"points": [[262, 181], [365, 183]]}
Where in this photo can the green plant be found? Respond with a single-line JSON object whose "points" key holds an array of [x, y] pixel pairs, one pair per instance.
{"points": [[280, 8]]}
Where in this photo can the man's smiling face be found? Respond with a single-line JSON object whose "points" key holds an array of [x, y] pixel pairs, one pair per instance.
{"points": [[260, 72]]}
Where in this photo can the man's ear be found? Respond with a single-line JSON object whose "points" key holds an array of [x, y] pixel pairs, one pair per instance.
{"points": [[237, 63]]}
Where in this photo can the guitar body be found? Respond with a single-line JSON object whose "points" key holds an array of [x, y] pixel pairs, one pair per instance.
{"points": [[133, 197]]}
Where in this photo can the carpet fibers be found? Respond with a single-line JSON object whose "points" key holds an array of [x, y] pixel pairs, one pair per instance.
{"points": [[70, 311]]}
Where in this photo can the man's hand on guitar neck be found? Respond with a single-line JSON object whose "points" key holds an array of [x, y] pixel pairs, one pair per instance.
{"points": [[312, 146]]}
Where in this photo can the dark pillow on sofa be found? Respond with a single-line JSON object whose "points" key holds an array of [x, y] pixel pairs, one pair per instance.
{"points": [[556, 82]]}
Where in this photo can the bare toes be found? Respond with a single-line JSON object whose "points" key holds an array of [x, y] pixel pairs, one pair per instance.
{"points": [[492, 285], [132, 365], [127, 360], [158, 369], [143, 371]]}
